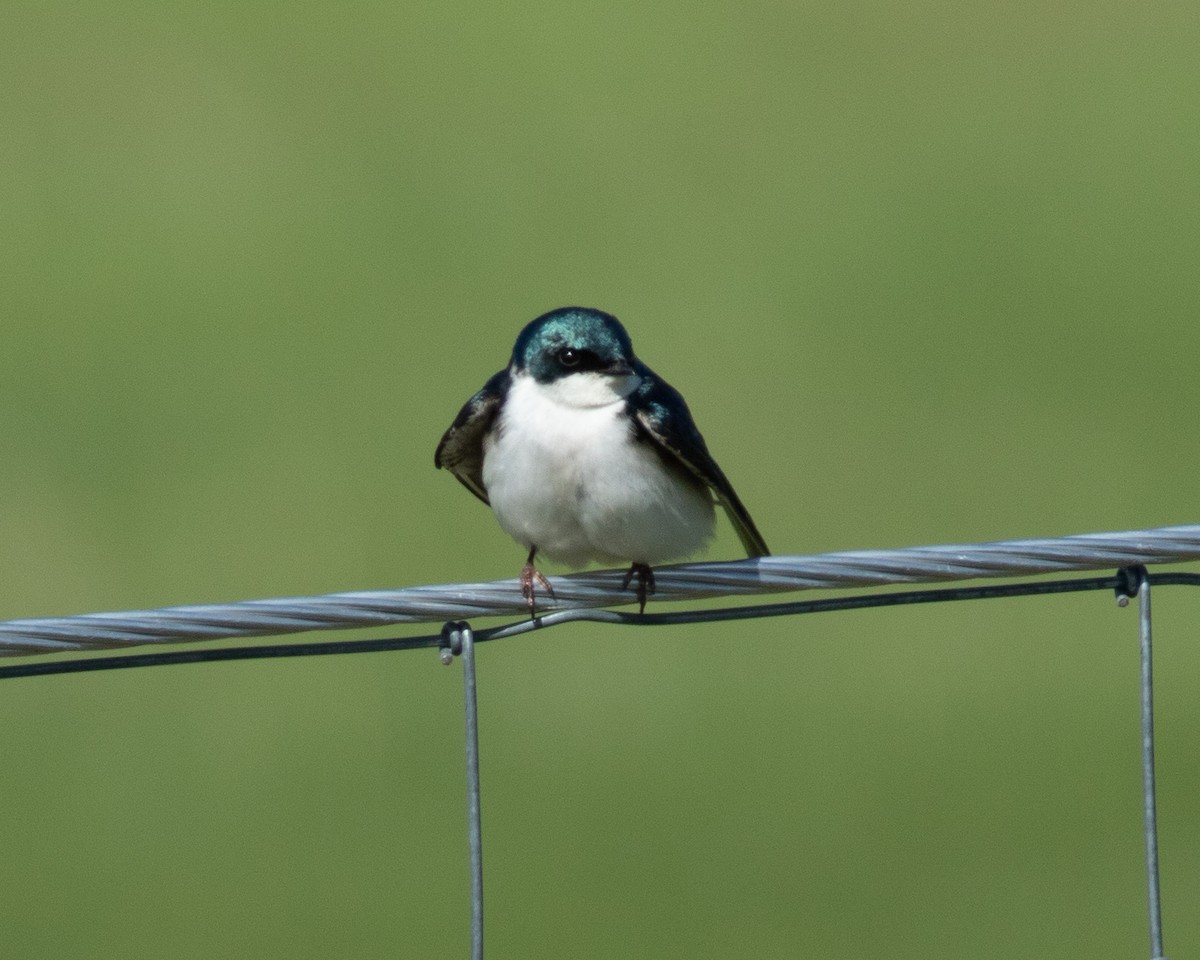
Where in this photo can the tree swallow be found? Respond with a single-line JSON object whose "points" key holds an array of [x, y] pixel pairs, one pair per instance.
{"points": [[585, 454]]}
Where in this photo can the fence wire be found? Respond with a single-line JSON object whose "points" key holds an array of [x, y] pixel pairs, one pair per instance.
{"points": [[574, 592], [576, 596]]}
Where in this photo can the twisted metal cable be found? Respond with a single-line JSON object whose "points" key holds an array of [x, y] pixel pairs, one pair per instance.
{"points": [[856, 568]]}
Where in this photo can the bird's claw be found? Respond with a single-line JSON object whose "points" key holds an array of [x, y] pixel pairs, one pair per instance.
{"points": [[529, 575], [645, 582]]}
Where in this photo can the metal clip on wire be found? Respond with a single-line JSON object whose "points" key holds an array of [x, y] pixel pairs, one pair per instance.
{"points": [[452, 640], [1129, 582]]}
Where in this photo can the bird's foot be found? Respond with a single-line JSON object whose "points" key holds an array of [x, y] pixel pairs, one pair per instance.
{"points": [[529, 575], [645, 582]]}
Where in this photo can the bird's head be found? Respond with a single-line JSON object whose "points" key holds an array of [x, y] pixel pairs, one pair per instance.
{"points": [[583, 355]]}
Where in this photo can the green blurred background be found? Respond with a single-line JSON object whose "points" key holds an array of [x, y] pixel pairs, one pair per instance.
{"points": [[925, 272]]}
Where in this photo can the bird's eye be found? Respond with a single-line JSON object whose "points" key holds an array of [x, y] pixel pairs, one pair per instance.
{"points": [[568, 357]]}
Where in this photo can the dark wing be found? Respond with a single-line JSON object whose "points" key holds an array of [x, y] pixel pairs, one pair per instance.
{"points": [[663, 417], [461, 448]]}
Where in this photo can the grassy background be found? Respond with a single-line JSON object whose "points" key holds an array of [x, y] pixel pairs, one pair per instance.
{"points": [[255, 257]]}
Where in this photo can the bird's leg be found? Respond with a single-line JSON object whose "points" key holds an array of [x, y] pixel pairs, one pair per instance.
{"points": [[530, 573], [645, 582]]}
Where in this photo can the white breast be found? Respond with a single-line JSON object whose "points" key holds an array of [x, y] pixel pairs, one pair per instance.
{"points": [[565, 474]]}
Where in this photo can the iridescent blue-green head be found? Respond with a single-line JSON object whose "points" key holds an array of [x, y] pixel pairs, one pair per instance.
{"points": [[573, 340]]}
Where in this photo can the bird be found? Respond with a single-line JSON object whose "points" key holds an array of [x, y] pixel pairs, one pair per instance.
{"points": [[585, 454]]}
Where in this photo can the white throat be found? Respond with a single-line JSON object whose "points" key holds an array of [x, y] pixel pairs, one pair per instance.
{"points": [[588, 388]]}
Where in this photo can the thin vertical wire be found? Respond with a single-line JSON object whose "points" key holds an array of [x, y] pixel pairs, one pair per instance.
{"points": [[1148, 789], [474, 819], [458, 640]]}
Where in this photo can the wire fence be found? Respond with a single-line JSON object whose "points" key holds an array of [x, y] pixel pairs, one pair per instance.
{"points": [[690, 581], [577, 597]]}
